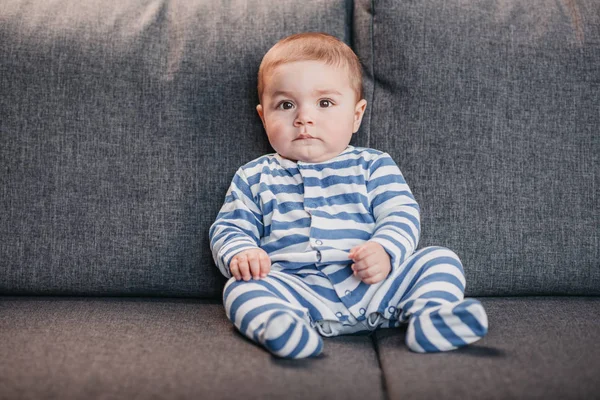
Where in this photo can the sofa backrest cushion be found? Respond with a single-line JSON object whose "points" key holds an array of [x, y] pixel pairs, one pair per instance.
{"points": [[121, 126], [492, 111]]}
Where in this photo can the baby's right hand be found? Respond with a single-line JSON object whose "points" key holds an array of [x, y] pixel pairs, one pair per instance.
{"points": [[252, 261]]}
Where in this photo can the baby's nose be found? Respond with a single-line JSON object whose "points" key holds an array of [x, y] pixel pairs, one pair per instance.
{"points": [[303, 118]]}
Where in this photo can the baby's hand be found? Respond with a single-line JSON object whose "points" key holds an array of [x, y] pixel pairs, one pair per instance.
{"points": [[371, 262], [252, 261]]}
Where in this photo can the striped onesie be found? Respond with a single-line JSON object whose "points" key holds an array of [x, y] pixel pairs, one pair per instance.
{"points": [[307, 217]]}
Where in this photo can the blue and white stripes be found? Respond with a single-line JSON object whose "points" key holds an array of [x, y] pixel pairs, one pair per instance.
{"points": [[305, 214], [286, 314], [307, 217]]}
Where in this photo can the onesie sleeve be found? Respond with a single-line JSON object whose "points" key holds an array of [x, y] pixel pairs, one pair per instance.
{"points": [[238, 226], [396, 212]]}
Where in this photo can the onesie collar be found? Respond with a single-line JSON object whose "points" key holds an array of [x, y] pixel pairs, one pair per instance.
{"points": [[285, 163]]}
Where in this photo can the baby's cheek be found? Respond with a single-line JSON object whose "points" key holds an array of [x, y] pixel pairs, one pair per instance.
{"points": [[278, 125], [276, 132]]}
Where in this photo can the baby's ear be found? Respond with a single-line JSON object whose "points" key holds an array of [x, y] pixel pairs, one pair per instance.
{"points": [[261, 114], [359, 111]]}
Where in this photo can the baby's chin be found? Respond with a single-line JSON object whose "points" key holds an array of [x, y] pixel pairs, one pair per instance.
{"points": [[310, 158]]}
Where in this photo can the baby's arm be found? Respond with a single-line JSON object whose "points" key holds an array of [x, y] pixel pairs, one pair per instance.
{"points": [[237, 231], [396, 212]]}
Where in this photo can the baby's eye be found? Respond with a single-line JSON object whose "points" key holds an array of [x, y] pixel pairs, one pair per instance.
{"points": [[325, 103], [286, 105]]}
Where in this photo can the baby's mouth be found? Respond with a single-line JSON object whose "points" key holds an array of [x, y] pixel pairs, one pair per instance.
{"points": [[303, 136]]}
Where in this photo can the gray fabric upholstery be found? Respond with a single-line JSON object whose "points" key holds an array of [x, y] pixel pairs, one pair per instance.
{"points": [[118, 348], [492, 111], [536, 348], [122, 124], [121, 127]]}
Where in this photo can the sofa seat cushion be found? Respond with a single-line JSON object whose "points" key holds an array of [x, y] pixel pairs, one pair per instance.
{"points": [[126, 348], [536, 348]]}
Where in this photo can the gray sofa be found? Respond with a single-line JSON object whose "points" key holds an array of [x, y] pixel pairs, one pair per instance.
{"points": [[122, 123]]}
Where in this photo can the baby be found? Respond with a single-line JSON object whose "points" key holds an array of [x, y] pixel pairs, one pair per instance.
{"points": [[319, 238]]}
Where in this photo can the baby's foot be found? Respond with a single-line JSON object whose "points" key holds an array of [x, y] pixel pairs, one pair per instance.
{"points": [[446, 327], [287, 336]]}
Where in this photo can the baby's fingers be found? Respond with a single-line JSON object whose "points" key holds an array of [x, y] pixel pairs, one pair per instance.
{"points": [[354, 251], [254, 262], [265, 265], [378, 277], [365, 273], [244, 268], [235, 269]]}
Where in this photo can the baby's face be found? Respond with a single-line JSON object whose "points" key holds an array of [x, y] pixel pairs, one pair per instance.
{"points": [[309, 110]]}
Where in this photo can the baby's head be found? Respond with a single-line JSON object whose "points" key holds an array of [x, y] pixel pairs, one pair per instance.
{"points": [[310, 93]]}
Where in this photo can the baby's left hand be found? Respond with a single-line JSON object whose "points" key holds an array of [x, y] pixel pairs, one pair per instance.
{"points": [[372, 263]]}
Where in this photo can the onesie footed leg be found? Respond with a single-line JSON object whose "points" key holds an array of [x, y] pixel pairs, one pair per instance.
{"points": [[287, 336], [446, 327]]}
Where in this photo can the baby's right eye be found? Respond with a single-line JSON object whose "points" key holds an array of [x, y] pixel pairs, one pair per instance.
{"points": [[285, 105]]}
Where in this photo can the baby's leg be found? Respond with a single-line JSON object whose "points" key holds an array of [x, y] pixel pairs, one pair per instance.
{"points": [[260, 311], [429, 292]]}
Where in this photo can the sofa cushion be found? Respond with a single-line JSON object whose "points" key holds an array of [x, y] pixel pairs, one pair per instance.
{"points": [[121, 127], [118, 348], [536, 348], [491, 110], [140, 348]]}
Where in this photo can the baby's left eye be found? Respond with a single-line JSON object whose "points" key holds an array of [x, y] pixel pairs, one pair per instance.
{"points": [[325, 103]]}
